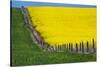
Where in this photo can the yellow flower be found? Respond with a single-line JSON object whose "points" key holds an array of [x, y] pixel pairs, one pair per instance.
{"points": [[61, 25]]}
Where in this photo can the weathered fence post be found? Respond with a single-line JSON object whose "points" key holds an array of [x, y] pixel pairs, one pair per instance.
{"points": [[76, 47], [82, 47], [67, 47], [93, 45], [71, 47], [87, 46]]}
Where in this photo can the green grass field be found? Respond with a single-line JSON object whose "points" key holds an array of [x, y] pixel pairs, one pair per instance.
{"points": [[26, 52]]}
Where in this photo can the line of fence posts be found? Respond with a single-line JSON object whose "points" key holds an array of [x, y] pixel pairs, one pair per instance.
{"points": [[69, 46], [79, 48], [28, 20]]}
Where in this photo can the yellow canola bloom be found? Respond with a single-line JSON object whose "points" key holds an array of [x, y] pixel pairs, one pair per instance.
{"points": [[59, 25]]}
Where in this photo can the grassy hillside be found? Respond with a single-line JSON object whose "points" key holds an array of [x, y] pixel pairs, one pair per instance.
{"points": [[26, 52]]}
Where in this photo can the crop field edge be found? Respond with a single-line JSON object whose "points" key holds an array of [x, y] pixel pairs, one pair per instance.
{"points": [[25, 55]]}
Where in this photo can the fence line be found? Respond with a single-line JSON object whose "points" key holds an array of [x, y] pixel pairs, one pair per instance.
{"points": [[28, 21], [82, 47], [77, 48]]}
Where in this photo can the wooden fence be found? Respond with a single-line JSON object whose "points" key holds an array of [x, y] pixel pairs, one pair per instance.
{"points": [[28, 22], [82, 47]]}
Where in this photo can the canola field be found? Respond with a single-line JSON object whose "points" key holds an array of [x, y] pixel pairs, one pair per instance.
{"points": [[61, 25], [25, 52]]}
